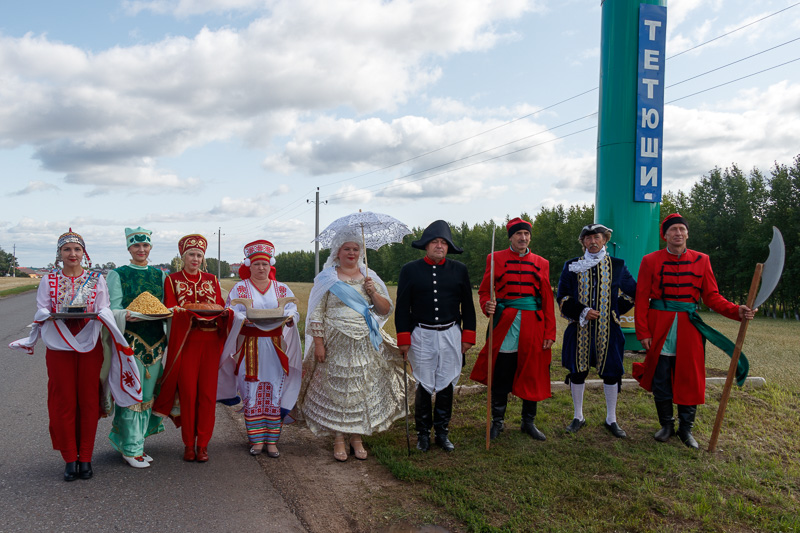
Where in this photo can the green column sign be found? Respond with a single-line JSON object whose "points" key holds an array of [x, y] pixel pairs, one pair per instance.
{"points": [[635, 224]]}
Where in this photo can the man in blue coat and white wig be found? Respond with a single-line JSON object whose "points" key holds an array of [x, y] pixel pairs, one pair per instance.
{"points": [[589, 297]]}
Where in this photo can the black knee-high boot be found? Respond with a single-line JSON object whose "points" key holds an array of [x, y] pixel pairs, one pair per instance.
{"points": [[442, 411], [499, 403], [422, 418], [665, 418], [686, 414], [528, 417]]}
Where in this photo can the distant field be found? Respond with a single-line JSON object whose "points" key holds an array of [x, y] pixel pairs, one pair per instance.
{"points": [[9, 286], [10, 283]]}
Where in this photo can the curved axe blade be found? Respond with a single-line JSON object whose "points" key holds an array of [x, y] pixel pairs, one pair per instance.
{"points": [[773, 267]]}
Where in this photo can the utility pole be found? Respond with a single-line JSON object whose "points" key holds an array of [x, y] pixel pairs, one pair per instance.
{"points": [[219, 253], [13, 262], [316, 234]]}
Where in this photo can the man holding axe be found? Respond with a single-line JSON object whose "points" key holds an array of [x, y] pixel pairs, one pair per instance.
{"points": [[435, 323], [524, 329], [671, 283]]}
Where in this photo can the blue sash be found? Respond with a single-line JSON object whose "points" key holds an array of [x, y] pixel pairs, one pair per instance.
{"points": [[356, 302]]}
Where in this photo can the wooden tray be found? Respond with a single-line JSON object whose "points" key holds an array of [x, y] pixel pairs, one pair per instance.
{"points": [[206, 312], [162, 315]]}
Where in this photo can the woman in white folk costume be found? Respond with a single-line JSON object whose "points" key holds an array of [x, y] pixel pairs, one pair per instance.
{"points": [[74, 356], [267, 363], [353, 380], [148, 340]]}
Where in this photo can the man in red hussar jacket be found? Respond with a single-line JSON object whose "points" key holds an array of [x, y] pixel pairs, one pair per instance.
{"points": [[671, 283], [524, 329]]}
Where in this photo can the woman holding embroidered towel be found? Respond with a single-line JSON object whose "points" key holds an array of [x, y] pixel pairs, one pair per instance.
{"points": [[353, 380], [69, 300], [267, 359]]}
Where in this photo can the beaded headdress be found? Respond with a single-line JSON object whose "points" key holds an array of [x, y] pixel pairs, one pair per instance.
{"points": [[71, 237]]}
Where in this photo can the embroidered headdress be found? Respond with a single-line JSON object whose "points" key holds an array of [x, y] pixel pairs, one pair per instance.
{"points": [[260, 250], [134, 236], [192, 242], [517, 224], [71, 237]]}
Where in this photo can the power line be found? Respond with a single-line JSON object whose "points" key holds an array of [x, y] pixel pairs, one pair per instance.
{"points": [[462, 140], [342, 195], [734, 62], [345, 195], [734, 31], [564, 101], [733, 81]]}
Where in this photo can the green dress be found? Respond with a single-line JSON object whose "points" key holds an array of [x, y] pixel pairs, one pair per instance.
{"points": [[148, 340]]}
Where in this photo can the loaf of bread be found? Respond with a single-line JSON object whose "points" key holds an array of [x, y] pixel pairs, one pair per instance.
{"points": [[203, 307]]}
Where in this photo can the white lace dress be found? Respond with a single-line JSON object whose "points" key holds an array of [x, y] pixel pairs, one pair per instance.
{"points": [[357, 389]]}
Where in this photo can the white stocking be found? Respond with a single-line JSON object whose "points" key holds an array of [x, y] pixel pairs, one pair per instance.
{"points": [[577, 399], [612, 391]]}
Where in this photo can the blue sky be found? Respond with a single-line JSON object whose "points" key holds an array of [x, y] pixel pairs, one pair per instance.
{"points": [[185, 116]]}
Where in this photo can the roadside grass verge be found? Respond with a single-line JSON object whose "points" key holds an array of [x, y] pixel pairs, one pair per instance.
{"points": [[18, 290], [594, 482]]}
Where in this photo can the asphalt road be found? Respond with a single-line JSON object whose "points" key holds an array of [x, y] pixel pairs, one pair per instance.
{"points": [[230, 492]]}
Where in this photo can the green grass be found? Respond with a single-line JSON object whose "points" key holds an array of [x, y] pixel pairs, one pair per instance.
{"points": [[17, 290], [593, 482]]}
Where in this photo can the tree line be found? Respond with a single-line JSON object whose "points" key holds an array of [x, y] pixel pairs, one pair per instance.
{"points": [[730, 215]]}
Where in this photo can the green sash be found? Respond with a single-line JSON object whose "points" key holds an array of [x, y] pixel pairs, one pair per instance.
{"points": [[526, 303], [715, 337]]}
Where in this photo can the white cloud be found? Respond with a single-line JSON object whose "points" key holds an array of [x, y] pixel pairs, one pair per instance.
{"points": [[35, 186], [759, 126], [118, 106]]}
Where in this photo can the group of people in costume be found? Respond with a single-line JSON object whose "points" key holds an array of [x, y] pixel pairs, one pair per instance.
{"points": [[350, 382]]}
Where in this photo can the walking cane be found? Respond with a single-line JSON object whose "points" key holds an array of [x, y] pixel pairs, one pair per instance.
{"points": [[405, 387], [490, 351], [771, 269]]}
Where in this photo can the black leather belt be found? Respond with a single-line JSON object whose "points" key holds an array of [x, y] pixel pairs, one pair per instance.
{"points": [[443, 327]]}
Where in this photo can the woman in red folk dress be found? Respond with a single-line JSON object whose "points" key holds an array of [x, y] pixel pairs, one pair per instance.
{"points": [[198, 332], [74, 356]]}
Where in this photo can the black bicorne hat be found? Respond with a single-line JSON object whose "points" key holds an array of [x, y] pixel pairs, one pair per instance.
{"points": [[437, 230], [591, 229]]}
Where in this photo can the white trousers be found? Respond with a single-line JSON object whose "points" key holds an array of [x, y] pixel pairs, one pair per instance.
{"points": [[435, 357]]}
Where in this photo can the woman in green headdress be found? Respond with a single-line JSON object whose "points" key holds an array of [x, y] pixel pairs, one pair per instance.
{"points": [[148, 339]]}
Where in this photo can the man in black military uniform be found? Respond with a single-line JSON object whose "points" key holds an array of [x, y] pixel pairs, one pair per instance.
{"points": [[435, 323]]}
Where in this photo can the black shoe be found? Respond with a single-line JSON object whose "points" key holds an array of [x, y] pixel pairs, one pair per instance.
{"points": [[71, 471], [530, 428], [496, 429], [528, 416], [663, 434], [85, 470], [423, 418], [444, 443], [575, 425], [666, 419], [499, 402], [615, 430], [687, 438], [686, 415]]}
